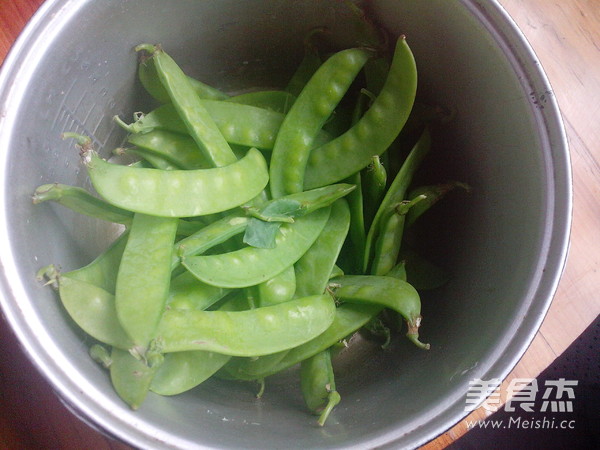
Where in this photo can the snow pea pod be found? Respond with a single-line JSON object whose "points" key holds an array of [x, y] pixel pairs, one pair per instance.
{"points": [[249, 266], [376, 129], [390, 237], [396, 192], [311, 61], [130, 377], [151, 82], [92, 308], [178, 149], [278, 289], [182, 371], [348, 319], [209, 236], [240, 124], [313, 268], [278, 101], [388, 292], [306, 117], [198, 121], [317, 384], [374, 184], [433, 193], [143, 279], [259, 331], [81, 201], [186, 292], [102, 271], [178, 193]]}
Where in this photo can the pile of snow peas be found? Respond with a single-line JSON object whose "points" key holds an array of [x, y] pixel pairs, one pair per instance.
{"points": [[259, 231]]}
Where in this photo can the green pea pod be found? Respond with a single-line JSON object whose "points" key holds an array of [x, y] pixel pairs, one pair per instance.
{"points": [[209, 236], [278, 101], [102, 271], [221, 230], [255, 332], [81, 201], [187, 292], [306, 117], [390, 237], [153, 161], [313, 268], [239, 124], [421, 272], [348, 319], [376, 129], [178, 149], [143, 279], [310, 63], [249, 266], [396, 192], [199, 123], [93, 310], [385, 291], [317, 384], [182, 371], [178, 193], [279, 289], [374, 184], [151, 82], [130, 377], [433, 193]]}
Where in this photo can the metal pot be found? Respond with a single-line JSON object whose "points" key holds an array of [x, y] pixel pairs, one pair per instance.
{"points": [[73, 68]]}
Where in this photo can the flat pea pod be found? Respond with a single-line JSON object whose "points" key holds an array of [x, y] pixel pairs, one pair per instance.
{"points": [[311, 61], [102, 271], [348, 319], [178, 193], [385, 291], [279, 289], [151, 82], [317, 384], [178, 149], [93, 310], [81, 201], [187, 292], [422, 273], [273, 100], [249, 266], [182, 371], [396, 192], [198, 121], [142, 285], [239, 124], [130, 377], [374, 184], [255, 332], [209, 236], [433, 194], [376, 129], [313, 268], [306, 117], [222, 229], [390, 237]]}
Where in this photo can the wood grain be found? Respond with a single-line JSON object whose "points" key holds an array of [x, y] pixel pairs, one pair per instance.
{"points": [[566, 38]]}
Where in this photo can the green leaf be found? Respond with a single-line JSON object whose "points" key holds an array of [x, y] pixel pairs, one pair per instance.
{"points": [[261, 234]]}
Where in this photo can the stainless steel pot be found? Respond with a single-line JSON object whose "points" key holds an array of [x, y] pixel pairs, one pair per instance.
{"points": [[73, 68]]}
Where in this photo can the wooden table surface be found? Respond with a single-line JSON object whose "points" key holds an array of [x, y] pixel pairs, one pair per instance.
{"points": [[566, 38]]}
